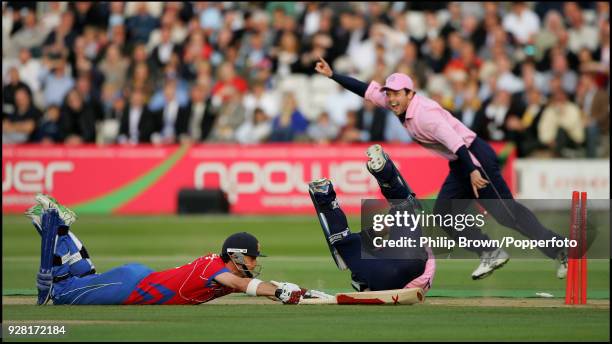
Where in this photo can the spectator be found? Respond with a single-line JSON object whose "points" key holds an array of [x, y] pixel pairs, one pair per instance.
{"points": [[595, 105], [88, 14], [506, 78], [91, 100], [114, 66], [255, 130], [52, 16], [549, 36], [195, 121], [253, 54], [29, 69], [117, 14], [63, 36], [159, 100], [522, 23], [311, 17], [92, 43], [169, 114], [561, 127], [602, 55], [19, 126], [79, 121], [522, 126], [339, 103], [416, 66], [394, 130], [210, 16], [50, 128], [495, 112], [177, 32], [531, 78], [453, 24], [138, 123], [231, 116], [30, 36], [437, 56], [141, 79], [259, 97], [290, 124], [196, 51], [286, 55], [228, 82], [580, 33], [371, 121], [113, 105], [468, 112], [56, 83], [323, 130], [162, 52], [141, 25], [560, 69], [319, 45], [9, 90], [468, 61]]}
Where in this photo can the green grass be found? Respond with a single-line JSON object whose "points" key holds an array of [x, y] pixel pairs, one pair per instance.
{"points": [[339, 323], [297, 253]]}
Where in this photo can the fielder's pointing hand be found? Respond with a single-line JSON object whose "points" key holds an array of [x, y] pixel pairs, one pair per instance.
{"points": [[477, 182], [323, 67]]}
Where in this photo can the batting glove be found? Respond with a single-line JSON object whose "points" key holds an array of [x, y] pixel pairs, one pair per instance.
{"points": [[289, 293]]}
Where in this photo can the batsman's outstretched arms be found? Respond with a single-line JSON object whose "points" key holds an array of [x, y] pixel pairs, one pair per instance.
{"points": [[288, 293], [351, 84]]}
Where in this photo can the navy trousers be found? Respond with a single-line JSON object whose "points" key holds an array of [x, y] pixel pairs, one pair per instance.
{"points": [[507, 211]]}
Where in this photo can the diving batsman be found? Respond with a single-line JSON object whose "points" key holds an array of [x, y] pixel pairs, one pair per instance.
{"points": [[67, 275]]}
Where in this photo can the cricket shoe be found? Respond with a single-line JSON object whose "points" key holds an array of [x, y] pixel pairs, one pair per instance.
{"points": [[47, 202], [489, 262], [323, 192], [377, 163], [562, 264]]}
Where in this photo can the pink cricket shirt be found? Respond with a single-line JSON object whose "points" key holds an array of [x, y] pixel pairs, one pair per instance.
{"points": [[429, 124]]}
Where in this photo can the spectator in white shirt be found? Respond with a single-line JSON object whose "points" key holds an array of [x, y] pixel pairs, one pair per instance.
{"points": [[29, 69], [580, 33], [521, 22], [255, 130]]}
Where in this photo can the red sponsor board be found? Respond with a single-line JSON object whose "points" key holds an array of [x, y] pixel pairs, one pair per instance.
{"points": [[261, 179]]}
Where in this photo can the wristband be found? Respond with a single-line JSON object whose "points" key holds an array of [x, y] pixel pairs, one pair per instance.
{"points": [[252, 287]]}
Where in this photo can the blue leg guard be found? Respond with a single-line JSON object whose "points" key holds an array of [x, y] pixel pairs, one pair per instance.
{"points": [[50, 225]]}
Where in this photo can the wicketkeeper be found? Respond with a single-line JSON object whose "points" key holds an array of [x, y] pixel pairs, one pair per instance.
{"points": [[68, 277]]}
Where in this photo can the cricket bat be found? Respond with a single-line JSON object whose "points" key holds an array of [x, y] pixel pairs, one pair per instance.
{"points": [[382, 297]]}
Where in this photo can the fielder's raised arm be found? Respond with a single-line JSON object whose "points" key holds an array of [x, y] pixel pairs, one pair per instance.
{"points": [[351, 84]]}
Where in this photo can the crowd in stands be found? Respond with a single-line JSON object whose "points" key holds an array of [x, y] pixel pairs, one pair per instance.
{"points": [[536, 74]]}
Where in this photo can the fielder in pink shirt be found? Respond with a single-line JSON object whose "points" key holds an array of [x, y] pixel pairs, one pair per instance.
{"points": [[474, 171]]}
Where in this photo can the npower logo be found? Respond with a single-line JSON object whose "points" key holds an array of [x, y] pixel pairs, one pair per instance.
{"points": [[249, 177], [32, 176]]}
